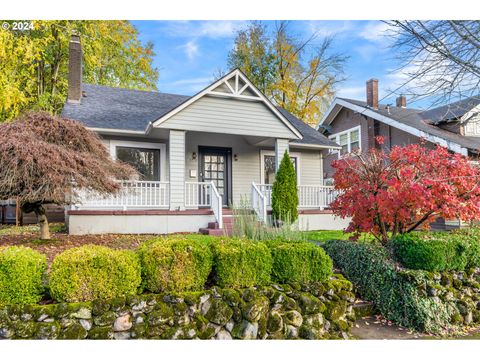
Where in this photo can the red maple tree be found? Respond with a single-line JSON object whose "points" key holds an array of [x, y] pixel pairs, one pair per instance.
{"points": [[389, 193]]}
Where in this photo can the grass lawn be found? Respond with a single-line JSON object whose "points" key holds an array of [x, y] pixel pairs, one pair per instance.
{"points": [[325, 235]]}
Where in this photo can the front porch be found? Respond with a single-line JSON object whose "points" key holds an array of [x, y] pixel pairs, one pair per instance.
{"points": [[200, 198]]}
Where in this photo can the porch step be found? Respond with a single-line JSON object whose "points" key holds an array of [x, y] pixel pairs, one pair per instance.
{"points": [[213, 229]]}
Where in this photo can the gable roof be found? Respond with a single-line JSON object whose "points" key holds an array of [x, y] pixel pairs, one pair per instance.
{"points": [[104, 107], [409, 120], [234, 91], [455, 110], [133, 111]]}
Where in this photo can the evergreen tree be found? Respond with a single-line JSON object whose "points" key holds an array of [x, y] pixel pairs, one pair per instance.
{"points": [[284, 192]]}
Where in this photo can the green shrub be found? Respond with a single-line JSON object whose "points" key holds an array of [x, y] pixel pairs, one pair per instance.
{"points": [[373, 274], [284, 192], [241, 263], [22, 272], [299, 262], [436, 251], [94, 272], [175, 264]]}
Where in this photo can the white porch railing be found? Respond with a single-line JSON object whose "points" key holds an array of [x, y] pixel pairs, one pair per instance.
{"points": [[259, 202], [315, 196], [309, 196], [197, 194], [204, 194], [133, 194], [217, 204]]}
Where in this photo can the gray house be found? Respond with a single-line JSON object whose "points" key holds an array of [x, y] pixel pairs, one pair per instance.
{"points": [[197, 156]]}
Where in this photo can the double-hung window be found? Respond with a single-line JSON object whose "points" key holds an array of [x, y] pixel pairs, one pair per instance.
{"points": [[349, 140]]}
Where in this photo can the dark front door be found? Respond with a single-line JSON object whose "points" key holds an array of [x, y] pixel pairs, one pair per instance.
{"points": [[215, 166]]}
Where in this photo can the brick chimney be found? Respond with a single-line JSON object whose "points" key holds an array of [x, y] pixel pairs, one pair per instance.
{"points": [[372, 93], [74, 70], [402, 101]]}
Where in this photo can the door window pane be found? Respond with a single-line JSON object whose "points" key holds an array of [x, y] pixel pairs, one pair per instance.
{"points": [[145, 161]]}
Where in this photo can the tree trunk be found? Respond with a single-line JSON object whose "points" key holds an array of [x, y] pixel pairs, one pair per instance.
{"points": [[43, 223]]}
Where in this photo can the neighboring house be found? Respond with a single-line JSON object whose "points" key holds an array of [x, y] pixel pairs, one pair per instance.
{"points": [[197, 155], [354, 124]]}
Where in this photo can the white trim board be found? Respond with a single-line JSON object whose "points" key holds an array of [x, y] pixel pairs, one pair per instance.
{"points": [[396, 124], [143, 145], [296, 155], [235, 93]]}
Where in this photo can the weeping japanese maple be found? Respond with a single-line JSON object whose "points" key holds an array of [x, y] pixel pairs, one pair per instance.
{"points": [[396, 192], [47, 160]]}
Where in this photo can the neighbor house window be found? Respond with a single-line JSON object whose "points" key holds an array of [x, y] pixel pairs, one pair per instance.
{"points": [[349, 140], [145, 161], [269, 167]]}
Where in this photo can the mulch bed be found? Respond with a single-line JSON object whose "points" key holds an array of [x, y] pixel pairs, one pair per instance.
{"points": [[62, 241]]}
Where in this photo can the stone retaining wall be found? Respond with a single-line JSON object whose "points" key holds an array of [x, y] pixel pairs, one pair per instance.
{"points": [[323, 311], [458, 291]]}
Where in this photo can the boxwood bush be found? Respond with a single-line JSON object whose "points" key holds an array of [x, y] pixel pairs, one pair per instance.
{"points": [[437, 251], [301, 262], [175, 264], [22, 272], [373, 274], [241, 263], [94, 272]]}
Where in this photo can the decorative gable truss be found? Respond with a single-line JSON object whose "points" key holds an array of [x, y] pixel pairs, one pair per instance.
{"points": [[235, 86]]}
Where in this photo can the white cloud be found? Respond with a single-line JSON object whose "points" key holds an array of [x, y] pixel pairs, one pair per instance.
{"points": [[375, 31], [189, 86], [352, 92], [210, 29], [191, 49], [330, 28], [217, 29]]}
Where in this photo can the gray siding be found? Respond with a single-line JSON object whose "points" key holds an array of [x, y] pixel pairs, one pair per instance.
{"points": [[310, 167], [229, 116]]}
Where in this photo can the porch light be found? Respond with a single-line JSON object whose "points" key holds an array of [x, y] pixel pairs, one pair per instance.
{"points": [[194, 155], [235, 157]]}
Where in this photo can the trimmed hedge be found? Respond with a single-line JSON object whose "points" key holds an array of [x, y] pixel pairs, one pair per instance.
{"points": [[94, 272], [437, 251], [175, 265], [370, 269], [22, 272], [301, 262], [241, 263]]}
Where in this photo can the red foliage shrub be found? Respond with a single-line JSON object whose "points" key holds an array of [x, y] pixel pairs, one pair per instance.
{"points": [[398, 191]]}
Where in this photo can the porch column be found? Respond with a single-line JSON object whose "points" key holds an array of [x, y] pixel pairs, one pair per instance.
{"points": [[280, 146], [176, 156]]}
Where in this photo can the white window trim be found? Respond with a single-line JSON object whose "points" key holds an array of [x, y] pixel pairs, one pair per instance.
{"points": [[336, 138], [143, 145], [272, 153]]}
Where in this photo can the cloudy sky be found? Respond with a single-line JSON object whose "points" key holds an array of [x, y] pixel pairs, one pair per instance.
{"points": [[188, 53]]}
